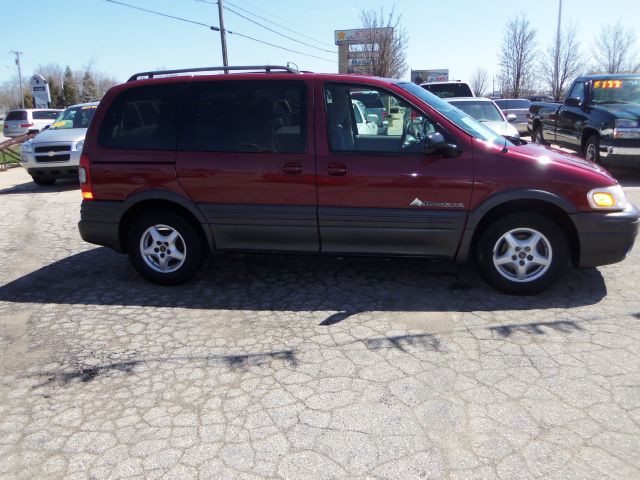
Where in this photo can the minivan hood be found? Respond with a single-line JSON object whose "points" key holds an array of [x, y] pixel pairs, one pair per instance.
{"points": [[551, 155], [62, 135]]}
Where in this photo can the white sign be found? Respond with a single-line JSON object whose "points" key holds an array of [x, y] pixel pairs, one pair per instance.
{"points": [[439, 75], [361, 35], [40, 91]]}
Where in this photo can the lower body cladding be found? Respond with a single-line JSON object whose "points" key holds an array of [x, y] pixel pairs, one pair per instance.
{"points": [[605, 238], [304, 229]]}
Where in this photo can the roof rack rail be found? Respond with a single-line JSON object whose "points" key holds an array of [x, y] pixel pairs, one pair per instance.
{"points": [[266, 68]]}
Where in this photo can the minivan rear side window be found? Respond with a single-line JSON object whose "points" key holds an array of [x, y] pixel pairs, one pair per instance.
{"points": [[245, 116], [142, 118], [45, 114], [16, 115]]}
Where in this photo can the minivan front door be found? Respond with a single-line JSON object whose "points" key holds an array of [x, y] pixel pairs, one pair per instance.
{"points": [[379, 193], [245, 156]]}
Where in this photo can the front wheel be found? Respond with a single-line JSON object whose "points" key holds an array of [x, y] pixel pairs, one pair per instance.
{"points": [[165, 248], [592, 149], [522, 253]]}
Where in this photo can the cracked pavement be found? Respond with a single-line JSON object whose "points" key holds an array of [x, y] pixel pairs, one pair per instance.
{"points": [[303, 367]]}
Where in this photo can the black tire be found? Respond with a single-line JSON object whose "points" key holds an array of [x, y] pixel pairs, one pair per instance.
{"points": [[536, 135], [43, 181], [188, 243], [592, 148], [552, 247]]}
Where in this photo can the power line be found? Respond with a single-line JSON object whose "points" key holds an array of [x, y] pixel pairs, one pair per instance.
{"points": [[278, 33], [272, 22], [211, 27]]}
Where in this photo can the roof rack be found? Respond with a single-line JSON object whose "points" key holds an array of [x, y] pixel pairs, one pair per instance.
{"points": [[266, 68]]}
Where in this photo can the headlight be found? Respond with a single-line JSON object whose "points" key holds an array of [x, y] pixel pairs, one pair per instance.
{"points": [[79, 145], [626, 128], [27, 147], [607, 198]]}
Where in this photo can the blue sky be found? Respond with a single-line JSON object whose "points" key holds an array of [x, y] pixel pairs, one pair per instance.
{"points": [[459, 35]]}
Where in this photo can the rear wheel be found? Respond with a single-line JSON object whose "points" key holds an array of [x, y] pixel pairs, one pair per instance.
{"points": [[165, 248], [43, 181], [592, 149], [522, 253]]}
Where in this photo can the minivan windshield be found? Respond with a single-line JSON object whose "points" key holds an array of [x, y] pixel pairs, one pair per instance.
{"points": [[461, 119], [74, 117]]}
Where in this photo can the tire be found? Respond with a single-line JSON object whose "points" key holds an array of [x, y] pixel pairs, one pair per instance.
{"points": [[592, 149], [540, 249], [43, 181], [536, 135], [177, 254]]}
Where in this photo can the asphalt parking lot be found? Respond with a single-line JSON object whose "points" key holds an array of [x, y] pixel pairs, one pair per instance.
{"points": [[303, 367]]}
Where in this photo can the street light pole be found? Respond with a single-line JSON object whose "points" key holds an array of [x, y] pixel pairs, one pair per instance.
{"points": [[17, 54], [223, 36], [556, 70]]}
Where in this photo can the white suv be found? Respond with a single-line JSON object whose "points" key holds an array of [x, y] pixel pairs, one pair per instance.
{"points": [[55, 153], [28, 120]]}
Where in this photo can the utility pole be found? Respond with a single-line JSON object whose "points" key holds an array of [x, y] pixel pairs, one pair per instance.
{"points": [[223, 36], [17, 54], [556, 69]]}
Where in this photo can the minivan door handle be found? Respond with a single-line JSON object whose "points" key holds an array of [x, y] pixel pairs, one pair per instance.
{"points": [[337, 170], [291, 168]]}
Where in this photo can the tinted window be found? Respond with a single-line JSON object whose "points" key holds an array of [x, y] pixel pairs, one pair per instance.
{"points": [[516, 103], [142, 118], [45, 114], [16, 115], [245, 116], [577, 91], [448, 90]]}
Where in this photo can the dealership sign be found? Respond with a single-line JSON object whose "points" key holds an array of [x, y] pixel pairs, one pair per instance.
{"points": [[40, 91], [359, 36]]}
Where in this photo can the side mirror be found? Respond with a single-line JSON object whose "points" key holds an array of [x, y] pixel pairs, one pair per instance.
{"points": [[435, 144], [372, 118], [572, 102], [511, 117]]}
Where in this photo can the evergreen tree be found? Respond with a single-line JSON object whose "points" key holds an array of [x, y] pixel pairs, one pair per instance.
{"points": [[89, 89], [70, 88], [57, 101]]}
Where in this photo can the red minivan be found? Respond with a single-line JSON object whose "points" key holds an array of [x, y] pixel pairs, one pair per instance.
{"points": [[271, 159]]}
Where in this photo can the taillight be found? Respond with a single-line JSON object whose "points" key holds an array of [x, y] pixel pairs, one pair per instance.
{"points": [[26, 125], [384, 114], [84, 174]]}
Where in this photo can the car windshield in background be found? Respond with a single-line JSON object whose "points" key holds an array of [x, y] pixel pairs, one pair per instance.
{"points": [[75, 117], [481, 111], [512, 103], [369, 100], [464, 121], [45, 114], [449, 90], [615, 90], [16, 115]]}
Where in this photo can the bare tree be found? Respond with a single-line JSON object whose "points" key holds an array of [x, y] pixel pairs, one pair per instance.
{"points": [[615, 50], [518, 57], [479, 81], [566, 52], [384, 50]]}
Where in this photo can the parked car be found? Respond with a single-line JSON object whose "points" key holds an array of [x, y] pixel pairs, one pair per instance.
{"points": [[375, 104], [365, 121], [600, 118], [222, 176], [540, 97], [449, 89], [487, 112], [518, 107], [28, 120], [55, 153]]}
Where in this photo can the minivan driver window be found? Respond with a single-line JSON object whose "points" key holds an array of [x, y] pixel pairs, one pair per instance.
{"points": [[390, 126]]}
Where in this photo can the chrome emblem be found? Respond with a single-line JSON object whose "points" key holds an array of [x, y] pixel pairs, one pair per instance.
{"points": [[419, 203], [51, 154]]}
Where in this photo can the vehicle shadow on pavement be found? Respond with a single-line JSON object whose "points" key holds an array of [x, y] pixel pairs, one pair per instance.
{"points": [[30, 187], [293, 283], [626, 176]]}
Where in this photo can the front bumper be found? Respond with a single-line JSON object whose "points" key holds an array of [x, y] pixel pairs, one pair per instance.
{"points": [[605, 238], [54, 168], [620, 152]]}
